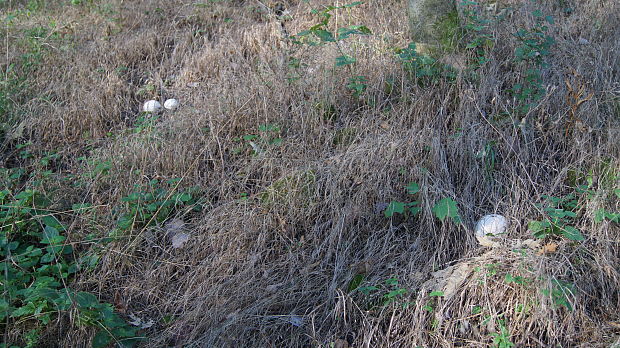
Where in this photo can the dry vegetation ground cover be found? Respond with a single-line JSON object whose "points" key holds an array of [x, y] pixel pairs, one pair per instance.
{"points": [[272, 178]]}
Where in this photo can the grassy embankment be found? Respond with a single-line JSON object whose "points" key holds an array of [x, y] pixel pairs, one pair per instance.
{"points": [[309, 188]]}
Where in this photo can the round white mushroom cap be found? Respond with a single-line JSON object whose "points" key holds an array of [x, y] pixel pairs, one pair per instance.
{"points": [[171, 104], [152, 106], [492, 225]]}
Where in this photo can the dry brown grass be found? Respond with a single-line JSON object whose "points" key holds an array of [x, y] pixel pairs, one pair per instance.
{"points": [[275, 271]]}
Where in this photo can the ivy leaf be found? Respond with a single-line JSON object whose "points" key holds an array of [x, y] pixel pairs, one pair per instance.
{"points": [[446, 208]]}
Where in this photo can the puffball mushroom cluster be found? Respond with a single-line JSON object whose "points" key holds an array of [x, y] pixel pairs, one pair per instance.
{"points": [[153, 106], [491, 225]]}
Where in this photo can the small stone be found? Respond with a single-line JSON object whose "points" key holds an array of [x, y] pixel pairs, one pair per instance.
{"points": [[583, 41]]}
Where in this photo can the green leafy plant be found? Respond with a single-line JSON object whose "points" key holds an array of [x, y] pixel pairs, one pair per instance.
{"points": [[38, 265], [560, 213], [153, 203], [501, 339], [402, 207], [145, 123], [322, 33], [447, 208], [559, 291], [434, 295], [112, 328], [268, 136], [535, 47], [601, 215], [382, 294], [480, 40], [520, 280], [424, 69]]}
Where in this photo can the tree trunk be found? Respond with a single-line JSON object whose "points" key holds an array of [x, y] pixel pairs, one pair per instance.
{"points": [[430, 20]]}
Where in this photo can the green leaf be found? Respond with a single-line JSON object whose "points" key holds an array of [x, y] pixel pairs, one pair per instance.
{"points": [[51, 221], [436, 294], [86, 300], [345, 60], [572, 233], [51, 236], [415, 210], [538, 226], [446, 208], [353, 4], [599, 215], [355, 282], [303, 33], [366, 290], [394, 207], [28, 309], [324, 35], [101, 339], [391, 282], [125, 331], [363, 29], [276, 142], [185, 197], [344, 33], [395, 293], [413, 188]]}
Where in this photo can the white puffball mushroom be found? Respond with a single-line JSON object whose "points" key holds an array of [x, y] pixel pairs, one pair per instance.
{"points": [[171, 104], [152, 106], [491, 225]]}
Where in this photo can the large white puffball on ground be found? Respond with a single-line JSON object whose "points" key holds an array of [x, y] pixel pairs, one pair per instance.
{"points": [[152, 106], [491, 225], [171, 104]]}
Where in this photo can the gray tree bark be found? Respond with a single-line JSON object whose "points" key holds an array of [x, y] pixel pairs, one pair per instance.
{"points": [[427, 18]]}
